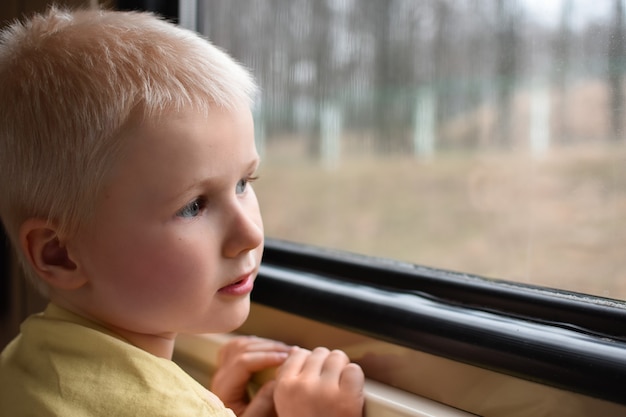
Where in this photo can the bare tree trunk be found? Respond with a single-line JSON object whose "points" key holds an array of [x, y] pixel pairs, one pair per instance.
{"points": [[615, 78], [322, 55], [380, 21], [507, 68], [561, 68]]}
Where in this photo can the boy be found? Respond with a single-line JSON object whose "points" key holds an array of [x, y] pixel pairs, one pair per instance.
{"points": [[126, 156]]}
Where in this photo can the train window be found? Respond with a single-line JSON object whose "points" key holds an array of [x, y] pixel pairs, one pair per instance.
{"points": [[473, 151], [472, 136], [406, 140]]}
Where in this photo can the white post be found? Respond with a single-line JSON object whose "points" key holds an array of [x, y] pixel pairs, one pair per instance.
{"points": [[424, 128], [539, 119], [331, 121], [188, 12]]}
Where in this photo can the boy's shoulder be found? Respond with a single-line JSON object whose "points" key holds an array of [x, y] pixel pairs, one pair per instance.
{"points": [[61, 364]]}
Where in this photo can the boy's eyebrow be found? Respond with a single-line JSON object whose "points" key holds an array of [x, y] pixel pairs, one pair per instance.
{"points": [[252, 166]]}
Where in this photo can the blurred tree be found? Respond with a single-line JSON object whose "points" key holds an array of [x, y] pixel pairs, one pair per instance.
{"points": [[616, 60], [508, 17], [378, 16], [562, 61]]}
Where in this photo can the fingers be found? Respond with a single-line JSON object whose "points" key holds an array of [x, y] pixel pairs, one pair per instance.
{"points": [[319, 382], [246, 355], [251, 349], [263, 402], [334, 365], [324, 364], [352, 378], [256, 361], [315, 362], [238, 360], [292, 367], [321, 362]]}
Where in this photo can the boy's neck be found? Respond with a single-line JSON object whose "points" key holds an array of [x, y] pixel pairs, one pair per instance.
{"points": [[161, 346]]}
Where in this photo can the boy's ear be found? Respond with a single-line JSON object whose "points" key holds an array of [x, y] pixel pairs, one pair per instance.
{"points": [[48, 256]]}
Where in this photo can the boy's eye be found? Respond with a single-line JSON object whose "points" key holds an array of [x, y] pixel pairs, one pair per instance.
{"points": [[192, 209], [242, 184]]}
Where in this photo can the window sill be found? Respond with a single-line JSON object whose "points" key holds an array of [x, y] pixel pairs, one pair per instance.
{"points": [[197, 355]]}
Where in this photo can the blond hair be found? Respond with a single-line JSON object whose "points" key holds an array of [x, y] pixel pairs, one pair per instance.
{"points": [[69, 83]]}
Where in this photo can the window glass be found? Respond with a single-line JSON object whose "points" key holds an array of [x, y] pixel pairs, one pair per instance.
{"points": [[485, 137]]}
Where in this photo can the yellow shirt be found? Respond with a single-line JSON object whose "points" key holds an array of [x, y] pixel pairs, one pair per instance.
{"points": [[64, 365]]}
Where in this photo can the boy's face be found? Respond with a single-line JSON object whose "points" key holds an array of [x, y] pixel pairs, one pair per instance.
{"points": [[177, 237]]}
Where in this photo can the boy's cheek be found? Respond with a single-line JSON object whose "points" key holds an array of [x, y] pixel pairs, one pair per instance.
{"points": [[161, 269]]}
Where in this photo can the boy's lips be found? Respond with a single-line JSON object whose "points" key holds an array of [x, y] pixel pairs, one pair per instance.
{"points": [[242, 286]]}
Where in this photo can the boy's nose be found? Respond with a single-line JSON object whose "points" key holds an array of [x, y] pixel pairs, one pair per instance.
{"points": [[244, 230]]}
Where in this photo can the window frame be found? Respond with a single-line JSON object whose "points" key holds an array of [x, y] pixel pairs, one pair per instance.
{"points": [[558, 338], [565, 340]]}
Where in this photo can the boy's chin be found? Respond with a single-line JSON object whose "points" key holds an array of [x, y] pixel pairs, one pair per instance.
{"points": [[231, 321]]}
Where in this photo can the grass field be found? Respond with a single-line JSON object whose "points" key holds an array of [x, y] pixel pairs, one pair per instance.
{"points": [[557, 221]]}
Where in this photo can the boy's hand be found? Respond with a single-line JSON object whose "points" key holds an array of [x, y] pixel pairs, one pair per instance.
{"points": [[320, 383], [237, 361]]}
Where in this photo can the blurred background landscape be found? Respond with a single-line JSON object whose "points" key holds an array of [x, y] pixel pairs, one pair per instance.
{"points": [[485, 137]]}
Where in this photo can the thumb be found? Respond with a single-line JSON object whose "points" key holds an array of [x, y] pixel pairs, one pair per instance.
{"points": [[262, 405]]}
